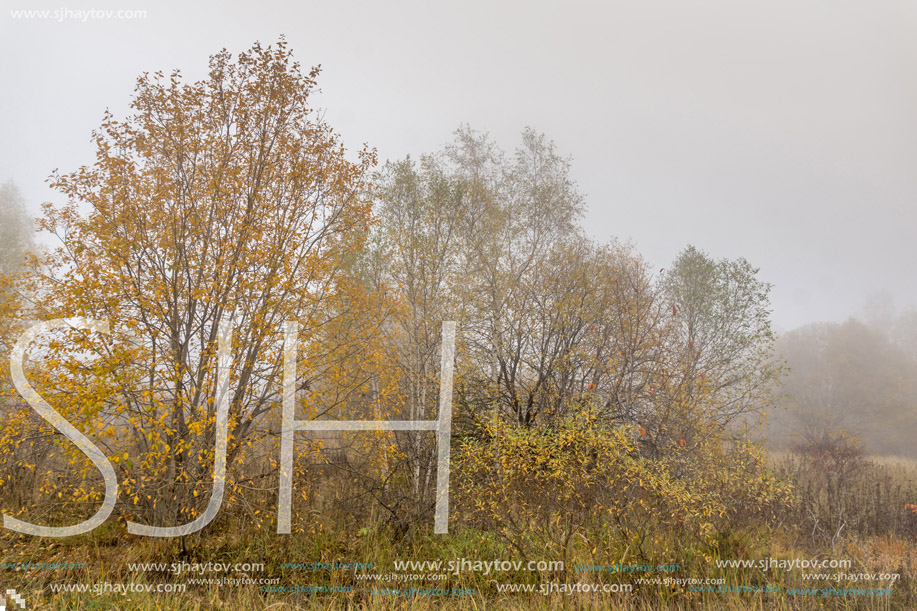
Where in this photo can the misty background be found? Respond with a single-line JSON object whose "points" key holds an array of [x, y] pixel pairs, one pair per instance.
{"points": [[779, 131]]}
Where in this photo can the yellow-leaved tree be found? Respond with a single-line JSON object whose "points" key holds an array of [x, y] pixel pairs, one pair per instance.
{"points": [[224, 199]]}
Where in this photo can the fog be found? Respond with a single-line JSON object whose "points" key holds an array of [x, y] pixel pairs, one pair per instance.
{"points": [[779, 131]]}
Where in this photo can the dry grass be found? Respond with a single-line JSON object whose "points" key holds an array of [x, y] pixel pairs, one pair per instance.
{"points": [[867, 496]]}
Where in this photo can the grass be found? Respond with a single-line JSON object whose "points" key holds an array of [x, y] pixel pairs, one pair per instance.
{"points": [[878, 537]]}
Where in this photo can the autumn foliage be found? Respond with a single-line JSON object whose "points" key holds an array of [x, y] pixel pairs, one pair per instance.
{"points": [[590, 393], [222, 199]]}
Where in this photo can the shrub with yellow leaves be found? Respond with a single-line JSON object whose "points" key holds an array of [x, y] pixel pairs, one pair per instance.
{"points": [[541, 487]]}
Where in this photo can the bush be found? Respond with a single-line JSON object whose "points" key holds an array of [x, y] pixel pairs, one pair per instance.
{"points": [[539, 488]]}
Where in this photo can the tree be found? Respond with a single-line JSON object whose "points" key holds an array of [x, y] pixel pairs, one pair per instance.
{"points": [[418, 248], [464, 234], [16, 241], [723, 332], [16, 229], [847, 378], [219, 200], [899, 326], [520, 211]]}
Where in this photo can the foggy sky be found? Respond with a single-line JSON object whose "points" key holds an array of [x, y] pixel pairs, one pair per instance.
{"points": [[783, 131]]}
